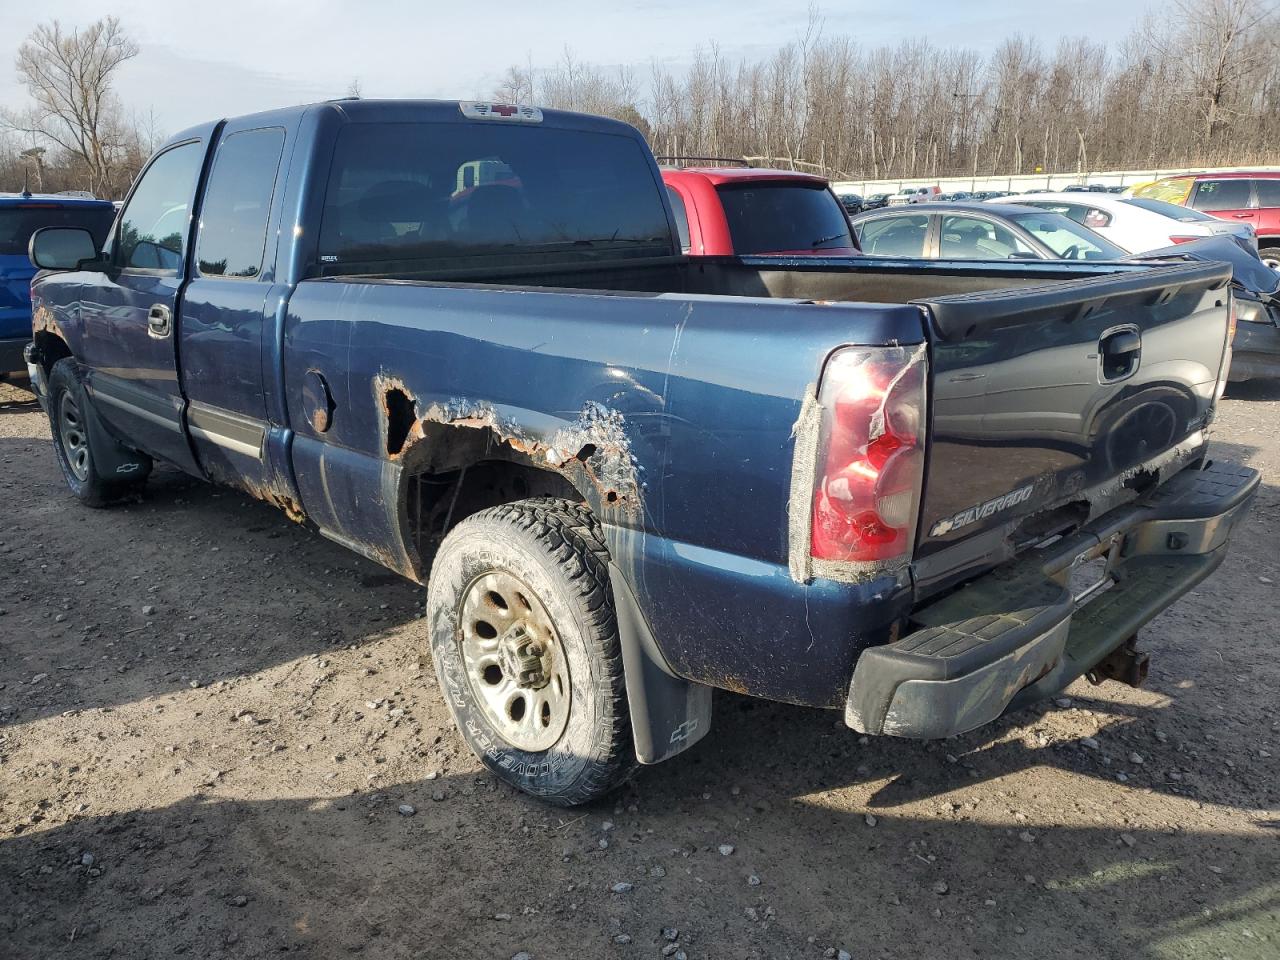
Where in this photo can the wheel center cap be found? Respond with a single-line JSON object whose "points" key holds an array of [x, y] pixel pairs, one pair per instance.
{"points": [[523, 657]]}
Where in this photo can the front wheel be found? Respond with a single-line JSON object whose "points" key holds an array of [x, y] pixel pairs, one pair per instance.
{"points": [[526, 648], [74, 445], [1271, 257]]}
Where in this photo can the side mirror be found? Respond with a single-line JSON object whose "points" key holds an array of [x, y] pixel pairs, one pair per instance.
{"points": [[62, 248]]}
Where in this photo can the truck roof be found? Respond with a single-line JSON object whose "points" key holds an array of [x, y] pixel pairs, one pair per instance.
{"points": [[426, 111]]}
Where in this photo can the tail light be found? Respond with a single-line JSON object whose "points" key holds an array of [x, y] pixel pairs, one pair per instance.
{"points": [[1182, 239], [1225, 366], [870, 455]]}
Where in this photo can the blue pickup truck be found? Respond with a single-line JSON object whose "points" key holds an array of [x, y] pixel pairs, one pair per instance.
{"points": [[21, 215], [461, 340]]}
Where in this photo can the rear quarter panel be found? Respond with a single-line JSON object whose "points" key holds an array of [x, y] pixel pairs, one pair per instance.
{"points": [[703, 391]]}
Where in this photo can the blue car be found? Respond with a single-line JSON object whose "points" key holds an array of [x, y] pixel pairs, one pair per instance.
{"points": [[20, 216]]}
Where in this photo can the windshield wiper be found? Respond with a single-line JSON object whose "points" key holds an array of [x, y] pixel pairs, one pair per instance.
{"points": [[821, 240]]}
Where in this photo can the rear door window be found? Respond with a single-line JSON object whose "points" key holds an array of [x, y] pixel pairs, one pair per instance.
{"points": [[19, 221], [784, 218], [237, 203], [976, 238], [1221, 195], [434, 195], [1268, 192], [901, 236]]}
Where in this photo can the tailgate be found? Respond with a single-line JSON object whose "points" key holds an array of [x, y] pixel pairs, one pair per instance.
{"points": [[1052, 404], [15, 300]]}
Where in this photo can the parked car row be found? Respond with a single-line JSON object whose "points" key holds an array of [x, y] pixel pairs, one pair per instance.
{"points": [[1252, 198]]}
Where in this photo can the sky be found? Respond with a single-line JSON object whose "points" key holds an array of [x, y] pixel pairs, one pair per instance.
{"points": [[218, 59]]}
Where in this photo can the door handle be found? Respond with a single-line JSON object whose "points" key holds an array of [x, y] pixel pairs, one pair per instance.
{"points": [[159, 321], [1242, 216]]}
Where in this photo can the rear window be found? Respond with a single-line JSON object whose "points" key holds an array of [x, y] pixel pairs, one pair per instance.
{"points": [[18, 222], [784, 217], [434, 195], [1179, 213]]}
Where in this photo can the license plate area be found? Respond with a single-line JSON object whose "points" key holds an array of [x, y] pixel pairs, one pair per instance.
{"points": [[1093, 572]]}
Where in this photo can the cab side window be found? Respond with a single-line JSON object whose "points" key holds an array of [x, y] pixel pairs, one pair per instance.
{"points": [[237, 203], [155, 222]]}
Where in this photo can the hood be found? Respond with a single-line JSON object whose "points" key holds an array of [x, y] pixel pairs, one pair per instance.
{"points": [[1247, 271]]}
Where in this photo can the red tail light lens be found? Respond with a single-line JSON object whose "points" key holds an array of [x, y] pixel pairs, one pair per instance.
{"points": [[870, 455]]}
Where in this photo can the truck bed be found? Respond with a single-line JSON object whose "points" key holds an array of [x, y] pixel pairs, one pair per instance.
{"points": [[692, 377]]}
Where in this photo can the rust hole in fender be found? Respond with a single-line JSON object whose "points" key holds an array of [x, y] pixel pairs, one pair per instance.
{"points": [[400, 419]]}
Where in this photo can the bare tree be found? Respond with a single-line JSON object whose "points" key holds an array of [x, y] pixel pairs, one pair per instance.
{"points": [[69, 75], [353, 88], [1199, 88]]}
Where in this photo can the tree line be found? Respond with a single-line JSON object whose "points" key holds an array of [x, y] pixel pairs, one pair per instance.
{"points": [[1196, 85]]}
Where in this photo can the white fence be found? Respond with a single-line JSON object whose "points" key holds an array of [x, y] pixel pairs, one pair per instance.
{"points": [[1026, 181]]}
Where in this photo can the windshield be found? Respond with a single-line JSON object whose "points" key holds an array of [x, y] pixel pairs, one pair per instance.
{"points": [[18, 222], [1181, 214], [444, 193], [1173, 190], [1066, 238], [784, 217]]}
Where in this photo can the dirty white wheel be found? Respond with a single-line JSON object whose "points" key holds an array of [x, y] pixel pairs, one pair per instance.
{"points": [[514, 660], [526, 648]]}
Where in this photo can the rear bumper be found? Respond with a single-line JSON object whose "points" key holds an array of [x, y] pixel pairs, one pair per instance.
{"points": [[1019, 634]]}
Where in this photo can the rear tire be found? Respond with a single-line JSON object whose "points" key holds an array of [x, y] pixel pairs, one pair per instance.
{"points": [[69, 408], [1270, 256], [526, 649]]}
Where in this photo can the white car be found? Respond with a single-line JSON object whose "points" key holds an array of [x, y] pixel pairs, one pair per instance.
{"points": [[913, 195], [1136, 223]]}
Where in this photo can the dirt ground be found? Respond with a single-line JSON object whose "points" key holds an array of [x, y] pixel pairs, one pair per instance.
{"points": [[210, 719]]}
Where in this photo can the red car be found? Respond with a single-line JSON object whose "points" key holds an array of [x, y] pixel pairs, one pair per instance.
{"points": [[739, 211], [1246, 196]]}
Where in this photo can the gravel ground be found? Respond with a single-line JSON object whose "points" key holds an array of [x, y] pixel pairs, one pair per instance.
{"points": [[220, 737]]}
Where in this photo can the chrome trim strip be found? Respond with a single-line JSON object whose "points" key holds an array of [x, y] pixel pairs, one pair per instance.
{"points": [[132, 408], [231, 431]]}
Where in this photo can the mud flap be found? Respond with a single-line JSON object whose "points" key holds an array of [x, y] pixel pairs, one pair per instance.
{"points": [[668, 714], [114, 461]]}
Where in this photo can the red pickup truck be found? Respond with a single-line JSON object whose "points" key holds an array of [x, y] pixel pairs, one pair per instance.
{"points": [[742, 211]]}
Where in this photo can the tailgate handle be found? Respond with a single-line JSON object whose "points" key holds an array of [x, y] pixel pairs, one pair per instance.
{"points": [[1119, 351]]}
